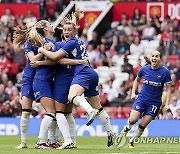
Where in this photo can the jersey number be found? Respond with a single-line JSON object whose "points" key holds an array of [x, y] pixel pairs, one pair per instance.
{"points": [[154, 108], [84, 54]]}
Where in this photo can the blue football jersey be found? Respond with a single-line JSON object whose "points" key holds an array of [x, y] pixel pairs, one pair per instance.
{"points": [[46, 72], [153, 83], [29, 71], [76, 49]]}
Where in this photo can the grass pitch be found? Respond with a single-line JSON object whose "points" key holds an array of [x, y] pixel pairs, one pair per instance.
{"points": [[87, 145]]}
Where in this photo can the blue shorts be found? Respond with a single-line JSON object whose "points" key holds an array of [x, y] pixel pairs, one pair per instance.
{"points": [[27, 88], [42, 89], [146, 109], [88, 79]]}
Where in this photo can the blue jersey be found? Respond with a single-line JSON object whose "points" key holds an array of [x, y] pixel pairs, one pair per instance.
{"points": [[153, 83], [65, 69], [29, 71], [76, 49], [46, 72]]}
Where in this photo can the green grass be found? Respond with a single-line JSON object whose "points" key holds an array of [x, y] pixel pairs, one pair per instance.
{"points": [[86, 145]]}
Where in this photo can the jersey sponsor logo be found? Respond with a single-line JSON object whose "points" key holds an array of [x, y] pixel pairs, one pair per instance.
{"points": [[159, 77], [152, 83]]}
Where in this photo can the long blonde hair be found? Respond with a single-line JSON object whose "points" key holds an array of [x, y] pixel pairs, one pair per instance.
{"points": [[72, 19], [34, 34]]}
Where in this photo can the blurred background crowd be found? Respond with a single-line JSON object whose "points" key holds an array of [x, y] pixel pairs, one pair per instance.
{"points": [[116, 56]]}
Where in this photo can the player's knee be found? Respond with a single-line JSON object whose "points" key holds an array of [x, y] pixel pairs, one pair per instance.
{"points": [[132, 121]]}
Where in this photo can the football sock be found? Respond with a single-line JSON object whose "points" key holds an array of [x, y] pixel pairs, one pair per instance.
{"points": [[45, 123], [63, 127], [83, 103], [137, 133], [129, 124], [104, 118], [72, 126], [52, 132], [24, 124]]}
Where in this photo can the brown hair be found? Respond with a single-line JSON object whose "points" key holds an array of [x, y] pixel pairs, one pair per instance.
{"points": [[34, 34]]}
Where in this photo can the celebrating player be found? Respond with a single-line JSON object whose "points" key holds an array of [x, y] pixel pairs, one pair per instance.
{"points": [[148, 101], [85, 78]]}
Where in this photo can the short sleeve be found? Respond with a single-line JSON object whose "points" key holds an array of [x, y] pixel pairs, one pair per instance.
{"points": [[168, 77], [69, 46], [27, 48], [140, 73]]}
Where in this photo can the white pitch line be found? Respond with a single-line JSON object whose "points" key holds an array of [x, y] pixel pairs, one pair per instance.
{"points": [[140, 152]]}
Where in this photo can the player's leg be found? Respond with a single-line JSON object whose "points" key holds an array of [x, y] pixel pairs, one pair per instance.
{"points": [[63, 125], [103, 116], [133, 118], [71, 122], [75, 97], [24, 122], [139, 131], [49, 106]]}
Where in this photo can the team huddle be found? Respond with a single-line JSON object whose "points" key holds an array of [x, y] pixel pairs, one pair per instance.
{"points": [[57, 74]]}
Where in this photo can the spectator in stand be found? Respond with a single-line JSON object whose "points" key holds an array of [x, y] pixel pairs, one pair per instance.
{"points": [[95, 40], [10, 89], [136, 48], [3, 95], [135, 20], [2, 32], [156, 24], [177, 113], [173, 105], [103, 56], [127, 67], [51, 8], [102, 96], [91, 53], [6, 110], [4, 66], [137, 68], [124, 27], [29, 17], [8, 17], [122, 48], [148, 32]]}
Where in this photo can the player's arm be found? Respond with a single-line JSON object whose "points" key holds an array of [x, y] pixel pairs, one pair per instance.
{"points": [[52, 55], [67, 61], [33, 57], [168, 95], [135, 87], [43, 62]]}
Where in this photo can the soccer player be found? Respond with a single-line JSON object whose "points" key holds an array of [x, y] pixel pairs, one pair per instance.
{"points": [[148, 102], [27, 93], [85, 79]]}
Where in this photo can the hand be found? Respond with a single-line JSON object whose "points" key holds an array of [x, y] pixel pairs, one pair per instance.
{"points": [[167, 108], [40, 50], [48, 46], [85, 62], [134, 96], [35, 64]]}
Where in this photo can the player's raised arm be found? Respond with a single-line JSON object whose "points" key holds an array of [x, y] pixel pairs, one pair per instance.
{"points": [[135, 87]]}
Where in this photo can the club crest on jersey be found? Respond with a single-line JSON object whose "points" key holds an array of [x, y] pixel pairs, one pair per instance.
{"points": [[137, 107], [159, 77]]}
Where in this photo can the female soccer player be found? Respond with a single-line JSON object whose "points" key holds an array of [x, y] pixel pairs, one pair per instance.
{"points": [[85, 78], [148, 101], [27, 93]]}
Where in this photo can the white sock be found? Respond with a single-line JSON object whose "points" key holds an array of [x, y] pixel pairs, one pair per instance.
{"points": [[137, 134], [83, 103], [63, 127], [24, 126], [45, 123], [104, 117], [57, 132], [52, 132], [129, 126], [72, 126]]}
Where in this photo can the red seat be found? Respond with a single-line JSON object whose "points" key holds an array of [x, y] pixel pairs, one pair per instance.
{"points": [[172, 59], [125, 112], [80, 112], [112, 111]]}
